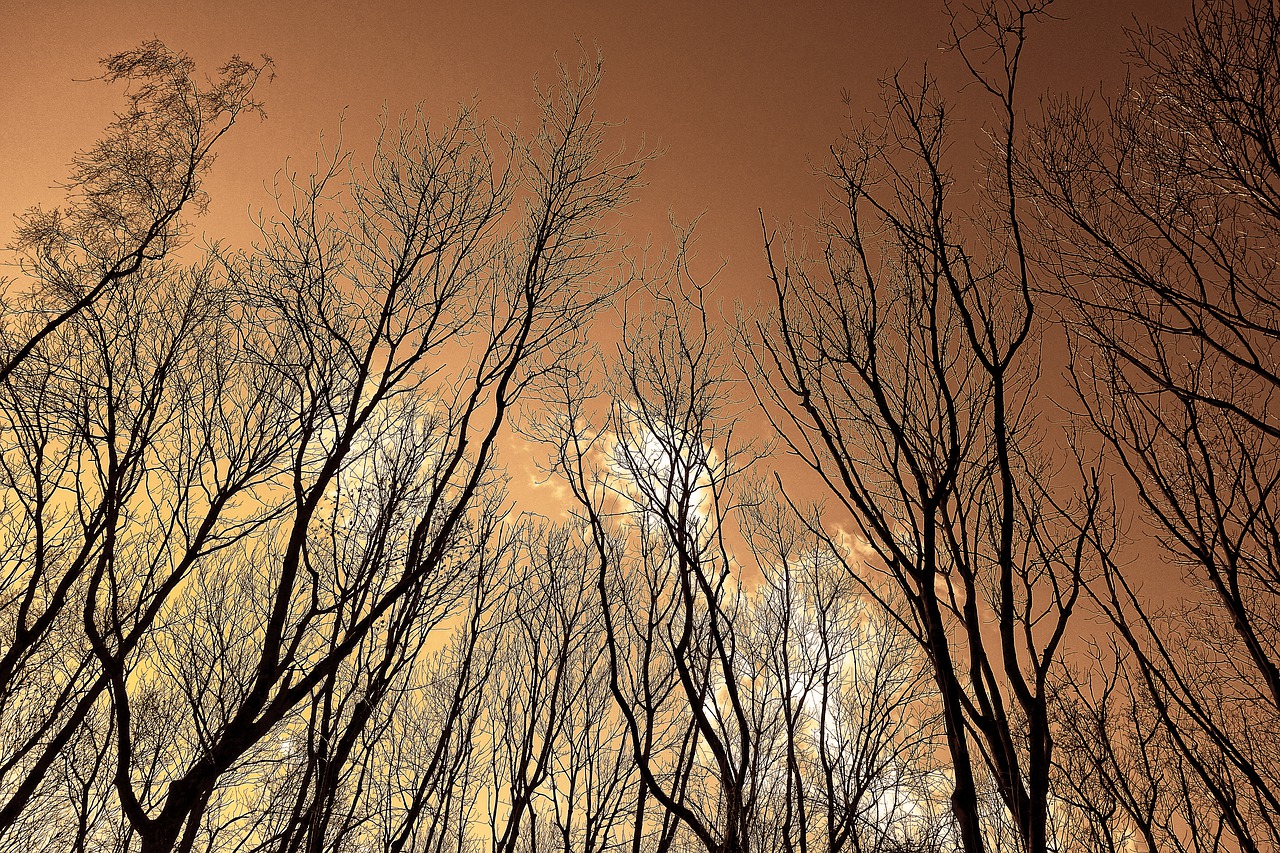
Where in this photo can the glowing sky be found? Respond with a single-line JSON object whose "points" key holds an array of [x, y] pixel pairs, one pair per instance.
{"points": [[742, 95]]}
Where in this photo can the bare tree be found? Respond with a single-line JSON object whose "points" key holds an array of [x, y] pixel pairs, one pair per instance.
{"points": [[240, 497], [761, 708], [857, 726], [434, 776], [146, 450], [1163, 215], [85, 417], [265, 591], [126, 194], [594, 782], [903, 363], [541, 678], [405, 322], [653, 483]]}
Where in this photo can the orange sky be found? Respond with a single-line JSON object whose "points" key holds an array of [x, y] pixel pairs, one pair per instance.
{"points": [[742, 95]]}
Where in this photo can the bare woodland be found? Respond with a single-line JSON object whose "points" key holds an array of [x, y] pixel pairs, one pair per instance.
{"points": [[266, 587]]}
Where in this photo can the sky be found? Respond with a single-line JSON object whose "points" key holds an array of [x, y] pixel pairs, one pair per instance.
{"points": [[743, 97]]}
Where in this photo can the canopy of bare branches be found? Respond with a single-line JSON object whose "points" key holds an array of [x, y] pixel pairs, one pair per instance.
{"points": [[265, 585]]}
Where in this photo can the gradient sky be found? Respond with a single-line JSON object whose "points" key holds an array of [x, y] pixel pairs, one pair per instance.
{"points": [[743, 96]]}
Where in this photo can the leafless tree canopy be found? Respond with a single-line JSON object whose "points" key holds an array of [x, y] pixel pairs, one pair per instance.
{"points": [[1164, 206], [267, 589]]}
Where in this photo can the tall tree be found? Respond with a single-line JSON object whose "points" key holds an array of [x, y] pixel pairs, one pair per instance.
{"points": [[763, 708], [242, 494], [1162, 218], [404, 323], [903, 368], [113, 385], [127, 193]]}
